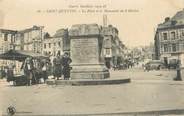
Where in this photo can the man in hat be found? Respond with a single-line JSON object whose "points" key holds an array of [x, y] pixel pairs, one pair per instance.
{"points": [[66, 60], [28, 67]]}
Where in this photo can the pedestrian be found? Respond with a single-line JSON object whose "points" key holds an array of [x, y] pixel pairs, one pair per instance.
{"points": [[49, 68], [37, 70], [44, 71], [66, 60], [28, 67], [34, 72], [10, 74], [57, 67], [147, 67]]}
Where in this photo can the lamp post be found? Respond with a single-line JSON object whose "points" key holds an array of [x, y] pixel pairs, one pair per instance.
{"points": [[178, 70]]}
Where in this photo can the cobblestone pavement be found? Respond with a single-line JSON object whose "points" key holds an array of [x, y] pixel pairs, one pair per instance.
{"points": [[140, 74], [148, 91]]}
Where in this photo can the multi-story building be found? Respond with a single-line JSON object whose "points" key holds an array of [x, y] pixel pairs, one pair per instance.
{"points": [[7, 38], [169, 38], [30, 39], [19, 41], [112, 46], [56, 44], [27, 39], [7, 42]]}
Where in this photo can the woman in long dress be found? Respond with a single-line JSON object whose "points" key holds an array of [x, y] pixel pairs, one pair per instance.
{"points": [[57, 67]]}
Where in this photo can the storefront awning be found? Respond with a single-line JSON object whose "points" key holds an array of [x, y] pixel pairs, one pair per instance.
{"points": [[20, 55]]}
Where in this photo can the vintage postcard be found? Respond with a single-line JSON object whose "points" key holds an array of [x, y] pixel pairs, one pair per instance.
{"points": [[91, 57]]}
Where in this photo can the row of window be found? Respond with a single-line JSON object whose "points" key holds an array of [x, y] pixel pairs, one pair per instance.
{"points": [[30, 36], [49, 44], [172, 47], [50, 53], [172, 35], [8, 36]]}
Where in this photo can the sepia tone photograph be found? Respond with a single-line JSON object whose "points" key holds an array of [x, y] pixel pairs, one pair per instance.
{"points": [[91, 58]]}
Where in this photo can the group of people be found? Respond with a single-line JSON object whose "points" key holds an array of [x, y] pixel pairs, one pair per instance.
{"points": [[37, 70], [126, 64], [34, 70], [61, 66]]}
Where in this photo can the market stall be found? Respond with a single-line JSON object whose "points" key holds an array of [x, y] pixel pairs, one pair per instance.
{"points": [[15, 55]]}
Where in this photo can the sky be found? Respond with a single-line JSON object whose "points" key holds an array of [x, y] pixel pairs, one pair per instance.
{"points": [[135, 28]]}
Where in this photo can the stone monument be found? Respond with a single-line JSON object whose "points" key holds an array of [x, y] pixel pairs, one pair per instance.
{"points": [[86, 49]]}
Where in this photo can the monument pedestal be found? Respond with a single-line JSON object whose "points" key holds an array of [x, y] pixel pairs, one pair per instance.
{"points": [[86, 49], [89, 71]]}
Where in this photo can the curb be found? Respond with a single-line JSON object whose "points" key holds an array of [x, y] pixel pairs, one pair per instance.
{"points": [[87, 82], [172, 112]]}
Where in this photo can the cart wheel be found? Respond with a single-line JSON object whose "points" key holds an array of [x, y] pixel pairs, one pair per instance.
{"points": [[11, 111]]}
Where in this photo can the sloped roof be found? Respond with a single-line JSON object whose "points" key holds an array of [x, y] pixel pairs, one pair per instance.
{"points": [[31, 29], [176, 20], [61, 33], [20, 55], [8, 31]]}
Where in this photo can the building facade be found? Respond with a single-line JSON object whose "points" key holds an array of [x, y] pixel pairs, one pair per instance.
{"points": [[169, 39], [112, 46], [56, 44], [30, 39], [7, 42], [52, 46], [7, 39]]}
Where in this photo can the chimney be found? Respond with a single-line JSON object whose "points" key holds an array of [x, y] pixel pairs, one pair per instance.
{"points": [[167, 19]]}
